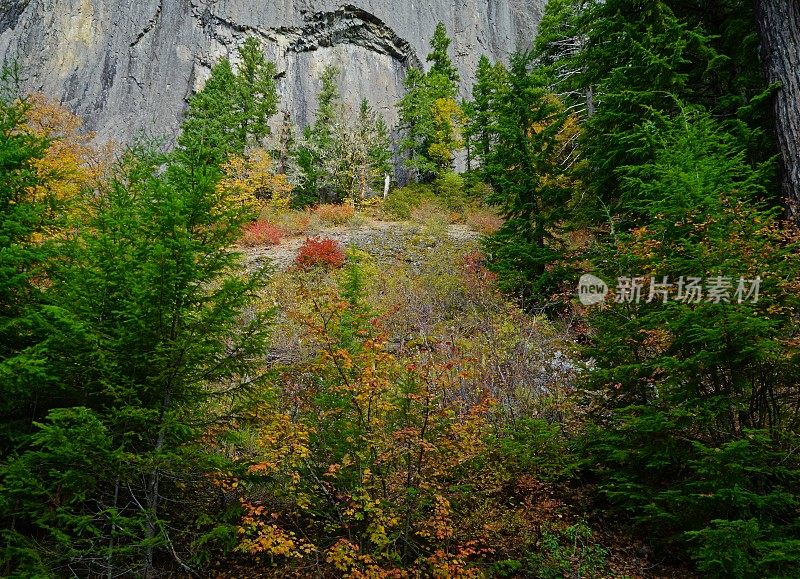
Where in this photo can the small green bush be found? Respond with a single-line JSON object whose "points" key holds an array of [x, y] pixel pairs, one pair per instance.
{"points": [[567, 552], [401, 202], [450, 191]]}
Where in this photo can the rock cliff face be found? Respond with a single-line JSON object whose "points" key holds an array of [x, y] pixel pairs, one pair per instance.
{"points": [[128, 67]]}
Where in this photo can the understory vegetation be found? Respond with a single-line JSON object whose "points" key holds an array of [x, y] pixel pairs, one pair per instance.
{"points": [[414, 389]]}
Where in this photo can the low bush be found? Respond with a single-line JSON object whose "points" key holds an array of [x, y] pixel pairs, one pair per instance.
{"points": [[320, 252], [262, 232], [401, 202], [291, 222], [483, 220], [335, 214], [450, 192], [433, 220]]}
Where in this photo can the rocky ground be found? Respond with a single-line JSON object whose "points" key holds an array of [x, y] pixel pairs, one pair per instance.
{"points": [[387, 241]]}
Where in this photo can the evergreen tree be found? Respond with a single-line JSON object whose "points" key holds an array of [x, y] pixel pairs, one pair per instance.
{"points": [[232, 110], [25, 218], [257, 90], [345, 154], [374, 155], [662, 58], [430, 115], [778, 24], [692, 385], [530, 188], [211, 119], [686, 393], [489, 79], [416, 121], [151, 326], [328, 103], [560, 40], [623, 61], [318, 138], [285, 150], [440, 59]]}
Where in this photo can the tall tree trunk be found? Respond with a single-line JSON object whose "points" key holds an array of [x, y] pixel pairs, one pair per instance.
{"points": [[110, 556], [152, 489], [779, 36]]}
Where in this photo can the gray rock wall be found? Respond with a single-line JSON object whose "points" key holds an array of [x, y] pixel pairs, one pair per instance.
{"points": [[128, 66]]}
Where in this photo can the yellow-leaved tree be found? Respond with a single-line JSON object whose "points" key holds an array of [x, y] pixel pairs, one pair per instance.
{"points": [[448, 121], [251, 180], [72, 161]]}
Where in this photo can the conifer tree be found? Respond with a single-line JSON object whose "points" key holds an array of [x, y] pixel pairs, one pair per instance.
{"points": [[662, 58], [346, 154], [430, 115], [442, 65], [529, 182], [24, 218], [689, 410], [257, 89], [622, 61], [778, 23], [232, 110], [150, 325], [560, 41], [415, 120], [318, 138], [374, 155], [285, 150], [489, 79]]}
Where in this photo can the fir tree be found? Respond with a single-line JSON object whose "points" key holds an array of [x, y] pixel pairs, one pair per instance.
{"points": [[24, 254], [285, 150], [430, 115], [319, 137], [440, 59], [232, 110], [257, 90], [346, 154], [416, 122], [489, 79], [375, 153], [530, 188], [151, 322], [692, 384]]}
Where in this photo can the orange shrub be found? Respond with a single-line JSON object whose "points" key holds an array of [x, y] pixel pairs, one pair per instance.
{"points": [[484, 221], [261, 233], [316, 251], [335, 214]]}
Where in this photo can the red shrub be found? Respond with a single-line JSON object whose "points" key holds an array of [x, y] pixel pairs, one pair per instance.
{"points": [[316, 251], [261, 233]]}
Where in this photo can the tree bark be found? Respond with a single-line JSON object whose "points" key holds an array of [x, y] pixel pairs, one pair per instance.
{"points": [[779, 37]]}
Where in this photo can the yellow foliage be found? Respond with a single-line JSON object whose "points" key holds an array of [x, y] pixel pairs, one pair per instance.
{"points": [[251, 180], [563, 153], [448, 119], [395, 457], [281, 446], [71, 162], [335, 214], [258, 536]]}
